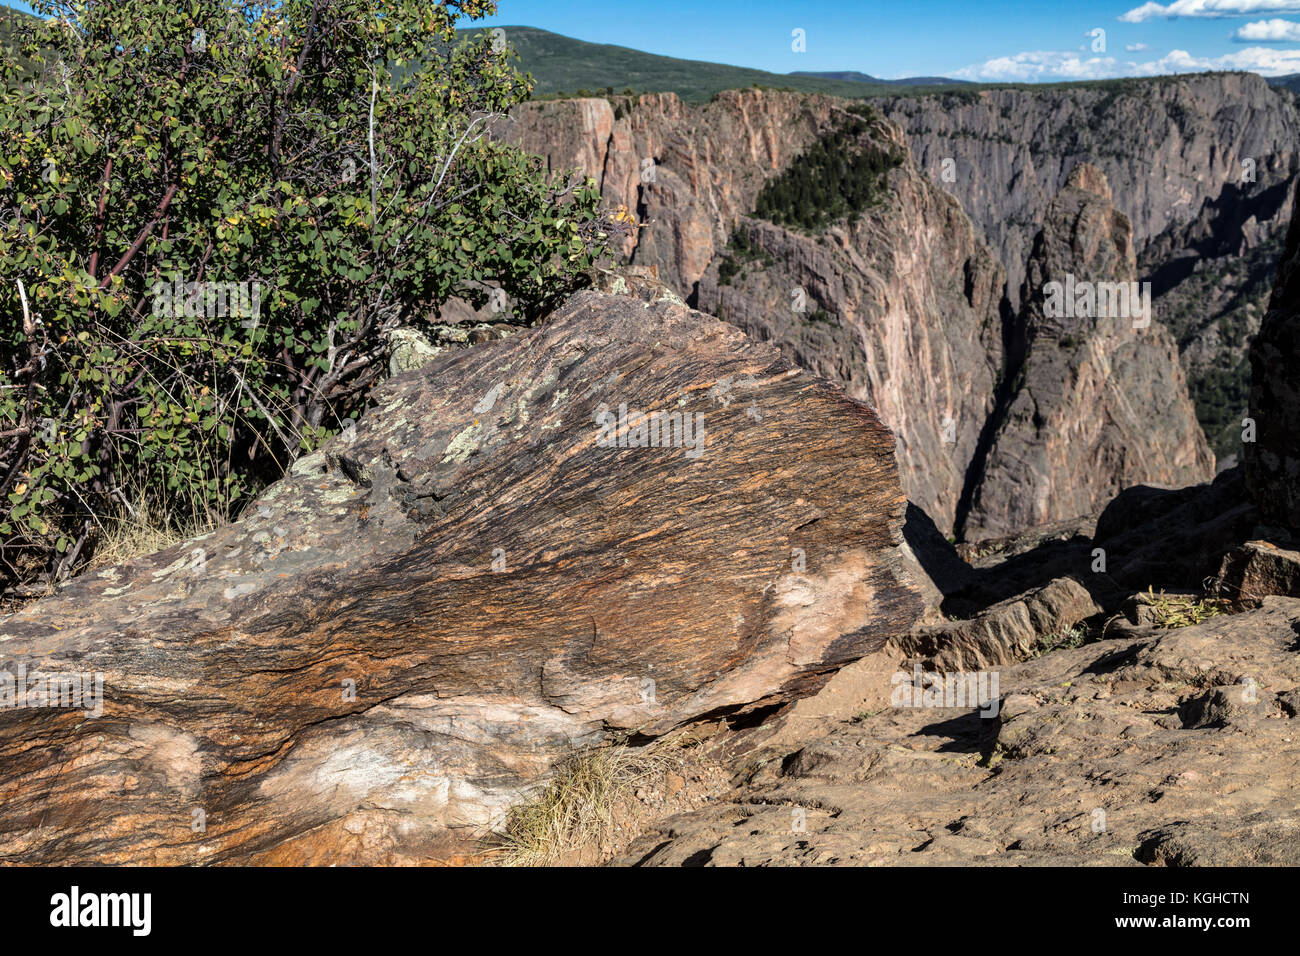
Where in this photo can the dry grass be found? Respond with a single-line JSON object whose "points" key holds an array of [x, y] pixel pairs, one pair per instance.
{"points": [[577, 809], [141, 528], [1182, 610]]}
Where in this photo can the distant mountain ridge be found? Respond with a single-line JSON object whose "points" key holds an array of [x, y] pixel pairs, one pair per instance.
{"points": [[564, 65], [853, 76], [1290, 81]]}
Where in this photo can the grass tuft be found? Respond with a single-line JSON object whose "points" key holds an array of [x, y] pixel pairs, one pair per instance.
{"points": [[1069, 637], [577, 809], [142, 526]]}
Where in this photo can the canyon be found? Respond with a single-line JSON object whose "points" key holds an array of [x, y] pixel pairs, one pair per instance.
{"points": [[1203, 166], [920, 288]]}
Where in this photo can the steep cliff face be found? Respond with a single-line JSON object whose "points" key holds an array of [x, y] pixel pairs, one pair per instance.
{"points": [[1099, 402], [1203, 166], [1174, 150], [1273, 458], [687, 173], [901, 305]]}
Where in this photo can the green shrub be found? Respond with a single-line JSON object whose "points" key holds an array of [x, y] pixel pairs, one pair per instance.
{"points": [[211, 213]]}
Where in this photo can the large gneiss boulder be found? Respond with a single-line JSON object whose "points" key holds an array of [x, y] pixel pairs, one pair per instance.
{"points": [[623, 520], [1273, 458]]}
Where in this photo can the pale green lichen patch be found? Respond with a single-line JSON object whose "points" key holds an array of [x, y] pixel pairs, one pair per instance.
{"points": [[275, 491], [463, 445], [336, 496], [114, 592], [542, 385], [171, 568], [307, 466]]}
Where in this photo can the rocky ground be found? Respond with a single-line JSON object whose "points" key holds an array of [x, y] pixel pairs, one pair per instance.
{"points": [[1153, 745], [1120, 733]]}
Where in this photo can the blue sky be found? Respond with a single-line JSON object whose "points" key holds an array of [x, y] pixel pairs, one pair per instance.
{"points": [[991, 40], [995, 40]]}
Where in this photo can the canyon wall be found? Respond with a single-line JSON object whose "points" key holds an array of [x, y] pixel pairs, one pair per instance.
{"points": [[1172, 148], [687, 173], [1098, 402], [1203, 166], [1273, 456]]}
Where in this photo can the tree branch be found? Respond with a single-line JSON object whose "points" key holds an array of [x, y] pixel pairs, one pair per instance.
{"points": [[99, 217], [144, 234]]}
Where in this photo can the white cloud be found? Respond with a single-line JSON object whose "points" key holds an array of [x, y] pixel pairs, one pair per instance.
{"points": [[1209, 8], [1044, 65], [1135, 47], [1256, 59], [1268, 31], [1037, 65]]}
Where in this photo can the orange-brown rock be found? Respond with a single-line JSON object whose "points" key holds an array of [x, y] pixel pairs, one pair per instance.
{"points": [[410, 628]]}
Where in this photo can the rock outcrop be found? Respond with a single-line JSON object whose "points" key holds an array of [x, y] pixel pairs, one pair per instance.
{"points": [[1273, 458], [1258, 569], [1098, 402], [404, 634]]}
